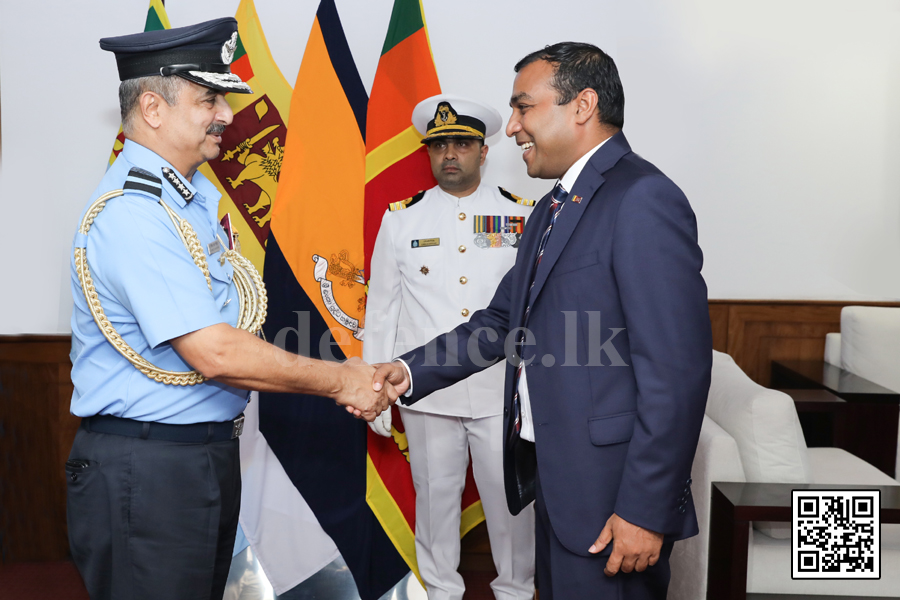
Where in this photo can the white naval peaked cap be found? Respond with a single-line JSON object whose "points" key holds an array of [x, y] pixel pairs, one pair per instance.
{"points": [[447, 115]]}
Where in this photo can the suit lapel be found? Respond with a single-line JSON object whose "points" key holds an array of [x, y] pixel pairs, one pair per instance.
{"points": [[587, 184], [565, 225], [527, 253]]}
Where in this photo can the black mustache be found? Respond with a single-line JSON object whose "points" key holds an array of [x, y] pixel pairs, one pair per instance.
{"points": [[216, 129]]}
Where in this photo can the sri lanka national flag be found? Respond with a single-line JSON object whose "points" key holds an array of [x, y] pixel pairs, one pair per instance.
{"points": [[248, 168], [156, 19], [397, 164], [316, 286], [397, 167]]}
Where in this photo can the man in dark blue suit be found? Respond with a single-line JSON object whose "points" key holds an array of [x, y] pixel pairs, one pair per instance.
{"points": [[605, 322]]}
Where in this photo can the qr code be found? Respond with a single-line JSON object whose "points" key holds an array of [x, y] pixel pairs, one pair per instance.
{"points": [[836, 534]]}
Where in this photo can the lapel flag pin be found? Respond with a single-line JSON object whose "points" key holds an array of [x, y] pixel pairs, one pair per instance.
{"points": [[576, 199]]}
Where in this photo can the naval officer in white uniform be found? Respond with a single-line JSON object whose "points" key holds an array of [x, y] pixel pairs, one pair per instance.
{"points": [[437, 259]]}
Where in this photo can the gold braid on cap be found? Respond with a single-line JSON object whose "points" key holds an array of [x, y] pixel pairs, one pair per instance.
{"points": [[250, 287]]}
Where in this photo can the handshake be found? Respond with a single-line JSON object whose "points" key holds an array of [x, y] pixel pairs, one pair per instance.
{"points": [[367, 391]]}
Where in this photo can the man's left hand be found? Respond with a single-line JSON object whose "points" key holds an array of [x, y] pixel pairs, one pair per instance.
{"points": [[634, 548]]}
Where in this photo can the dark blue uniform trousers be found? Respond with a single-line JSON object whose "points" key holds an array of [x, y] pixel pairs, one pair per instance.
{"points": [[152, 519], [562, 575]]}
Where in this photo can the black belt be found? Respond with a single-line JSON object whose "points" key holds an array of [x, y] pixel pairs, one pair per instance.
{"points": [[195, 433]]}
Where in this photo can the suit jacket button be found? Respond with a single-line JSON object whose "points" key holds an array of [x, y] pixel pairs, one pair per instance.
{"points": [[464, 312], [463, 280], [462, 216], [505, 412], [690, 481], [462, 248], [681, 509]]}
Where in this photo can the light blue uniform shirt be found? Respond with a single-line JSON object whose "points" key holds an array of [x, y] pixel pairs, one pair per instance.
{"points": [[152, 292]]}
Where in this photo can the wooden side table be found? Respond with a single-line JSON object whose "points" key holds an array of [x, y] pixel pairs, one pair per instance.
{"points": [[820, 374], [864, 423], [735, 505], [823, 417]]}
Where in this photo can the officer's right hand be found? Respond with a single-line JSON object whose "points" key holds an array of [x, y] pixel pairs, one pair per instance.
{"points": [[356, 394], [382, 424]]}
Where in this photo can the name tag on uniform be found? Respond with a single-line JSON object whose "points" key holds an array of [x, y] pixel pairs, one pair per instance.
{"points": [[214, 247], [425, 243]]}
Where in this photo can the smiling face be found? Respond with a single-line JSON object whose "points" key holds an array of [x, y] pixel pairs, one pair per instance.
{"points": [[456, 164], [192, 128], [544, 130]]}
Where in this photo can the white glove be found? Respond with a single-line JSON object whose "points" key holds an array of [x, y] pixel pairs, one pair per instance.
{"points": [[382, 424]]}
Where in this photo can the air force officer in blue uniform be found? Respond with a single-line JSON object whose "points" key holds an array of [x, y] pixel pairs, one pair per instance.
{"points": [[603, 412], [162, 346]]}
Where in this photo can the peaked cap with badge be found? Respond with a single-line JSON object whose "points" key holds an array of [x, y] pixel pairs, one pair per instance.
{"points": [[449, 116], [200, 53]]}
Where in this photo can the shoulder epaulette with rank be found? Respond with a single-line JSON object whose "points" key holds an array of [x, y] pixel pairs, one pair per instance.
{"points": [[401, 204], [143, 181], [516, 199]]}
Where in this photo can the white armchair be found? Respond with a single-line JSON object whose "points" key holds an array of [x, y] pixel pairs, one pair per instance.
{"points": [[751, 433]]}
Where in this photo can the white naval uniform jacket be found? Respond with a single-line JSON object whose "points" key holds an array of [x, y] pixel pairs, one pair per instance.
{"points": [[431, 269]]}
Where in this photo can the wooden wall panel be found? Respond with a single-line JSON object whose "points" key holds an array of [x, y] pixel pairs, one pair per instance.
{"points": [[759, 332], [718, 316], [36, 432]]}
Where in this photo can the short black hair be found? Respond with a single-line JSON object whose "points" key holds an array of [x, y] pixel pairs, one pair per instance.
{"points": [[580, 66]]}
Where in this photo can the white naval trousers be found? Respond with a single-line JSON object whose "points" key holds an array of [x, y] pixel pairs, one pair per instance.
{"points": [[439, 455]]}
